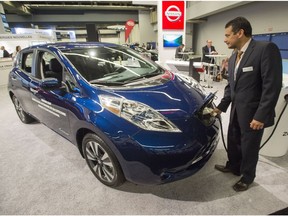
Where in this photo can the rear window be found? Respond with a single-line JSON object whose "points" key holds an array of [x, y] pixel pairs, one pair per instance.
{"points": [[26, 62]]}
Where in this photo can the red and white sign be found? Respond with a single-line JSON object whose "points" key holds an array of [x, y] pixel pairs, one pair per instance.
{"points": [[173, 15], [128, 28]]}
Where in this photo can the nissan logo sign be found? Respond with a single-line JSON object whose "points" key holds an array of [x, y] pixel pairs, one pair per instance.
{"points": [[130, 23], [174, 14]]}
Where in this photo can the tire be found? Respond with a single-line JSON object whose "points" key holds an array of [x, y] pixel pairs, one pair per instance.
{"points": [[24, 117], [102, 161]]}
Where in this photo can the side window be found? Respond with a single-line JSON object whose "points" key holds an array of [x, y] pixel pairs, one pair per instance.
{"points": [[26, 63], [69, 81], [49, 66], [17, 60]]}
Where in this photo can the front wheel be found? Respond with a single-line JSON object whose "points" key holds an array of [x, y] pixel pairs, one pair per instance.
{"points": [[24, 117], [102, 161]]}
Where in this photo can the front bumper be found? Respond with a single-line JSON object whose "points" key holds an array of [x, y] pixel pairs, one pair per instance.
{"points": [[144, 163]]}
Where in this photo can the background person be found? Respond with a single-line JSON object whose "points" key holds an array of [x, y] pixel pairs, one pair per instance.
{"points": [[253, 89], [179, 49], [5, 52], [208, 50], [224, 69], [18, 48]]}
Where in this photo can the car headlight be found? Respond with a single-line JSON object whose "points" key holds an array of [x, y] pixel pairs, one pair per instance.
{"points": [[192, 82], [138, 114]]}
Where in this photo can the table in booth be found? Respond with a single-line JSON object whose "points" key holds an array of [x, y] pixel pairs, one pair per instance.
{"points": [[217, 61], [186, 55], [216, 58]]}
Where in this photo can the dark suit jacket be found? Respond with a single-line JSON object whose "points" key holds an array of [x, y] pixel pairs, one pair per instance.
{"points": [[6, 54], [205, 51], [177, 54], [258, 83]]}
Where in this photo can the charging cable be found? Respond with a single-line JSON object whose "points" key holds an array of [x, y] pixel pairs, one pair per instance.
{"points": [[222, 134], [275, 127], [277, 122]]}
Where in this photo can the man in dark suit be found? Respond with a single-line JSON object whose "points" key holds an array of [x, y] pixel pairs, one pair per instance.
{"points": [[253, 89], [208, 50], [5, 52]]}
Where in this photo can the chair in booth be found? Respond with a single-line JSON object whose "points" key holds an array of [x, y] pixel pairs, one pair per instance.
{"points": [[199, 67], [199, 71], [208, 74]]}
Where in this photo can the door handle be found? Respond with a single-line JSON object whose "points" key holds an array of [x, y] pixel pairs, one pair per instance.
{"points": [[34, 90], [14, 77]]}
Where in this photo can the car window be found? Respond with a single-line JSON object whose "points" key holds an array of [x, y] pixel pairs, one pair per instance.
{"points": [[47, 56], [110, 64], [17, 60], [49, 66], [69, 81], [26, 63]]}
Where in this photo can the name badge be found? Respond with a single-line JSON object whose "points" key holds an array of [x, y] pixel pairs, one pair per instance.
{"points": [[247, 69]]}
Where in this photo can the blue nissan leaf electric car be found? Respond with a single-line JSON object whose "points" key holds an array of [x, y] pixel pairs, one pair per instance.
{"points": [[130, 118]]}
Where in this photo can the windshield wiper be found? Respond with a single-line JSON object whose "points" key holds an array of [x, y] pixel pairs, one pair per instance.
{"points": [[148, 75], [106, 83]]}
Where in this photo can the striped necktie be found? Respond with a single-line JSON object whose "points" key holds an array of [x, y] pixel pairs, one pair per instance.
{"points": [[239, 54]]}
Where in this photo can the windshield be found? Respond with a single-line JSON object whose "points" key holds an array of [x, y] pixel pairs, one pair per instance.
{"points": [[111, 65]]}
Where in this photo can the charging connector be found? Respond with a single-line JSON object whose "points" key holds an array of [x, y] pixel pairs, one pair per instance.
{"points": [[208, 111]]}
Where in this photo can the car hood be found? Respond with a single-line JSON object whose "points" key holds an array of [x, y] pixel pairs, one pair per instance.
{"points": [[169, 94]]}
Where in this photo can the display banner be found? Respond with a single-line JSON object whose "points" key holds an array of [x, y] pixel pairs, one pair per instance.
{"points": [[128, 28], [173, 15]]}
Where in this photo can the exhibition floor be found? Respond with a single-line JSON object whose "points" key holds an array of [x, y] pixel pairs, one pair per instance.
{"points": [[42, 173]]}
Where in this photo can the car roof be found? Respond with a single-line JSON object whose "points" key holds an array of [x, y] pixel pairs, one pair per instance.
{"points": [[73, 45]]}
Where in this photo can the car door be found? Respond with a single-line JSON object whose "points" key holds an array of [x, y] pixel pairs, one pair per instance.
{"points": [[21, 78], [49, 102]]}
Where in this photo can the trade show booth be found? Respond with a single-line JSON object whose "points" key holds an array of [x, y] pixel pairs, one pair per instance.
{"points": [[10, 41]]}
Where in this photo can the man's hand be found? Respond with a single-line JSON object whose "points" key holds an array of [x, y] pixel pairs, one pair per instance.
{"points": [[216, 111], [256, 125]]}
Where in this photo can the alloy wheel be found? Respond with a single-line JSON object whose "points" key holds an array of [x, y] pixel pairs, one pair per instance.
{"points": [[100, 162], [19, 109]]}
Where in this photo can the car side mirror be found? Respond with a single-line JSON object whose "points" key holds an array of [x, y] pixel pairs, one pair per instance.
{"points": [[50, 83]]}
